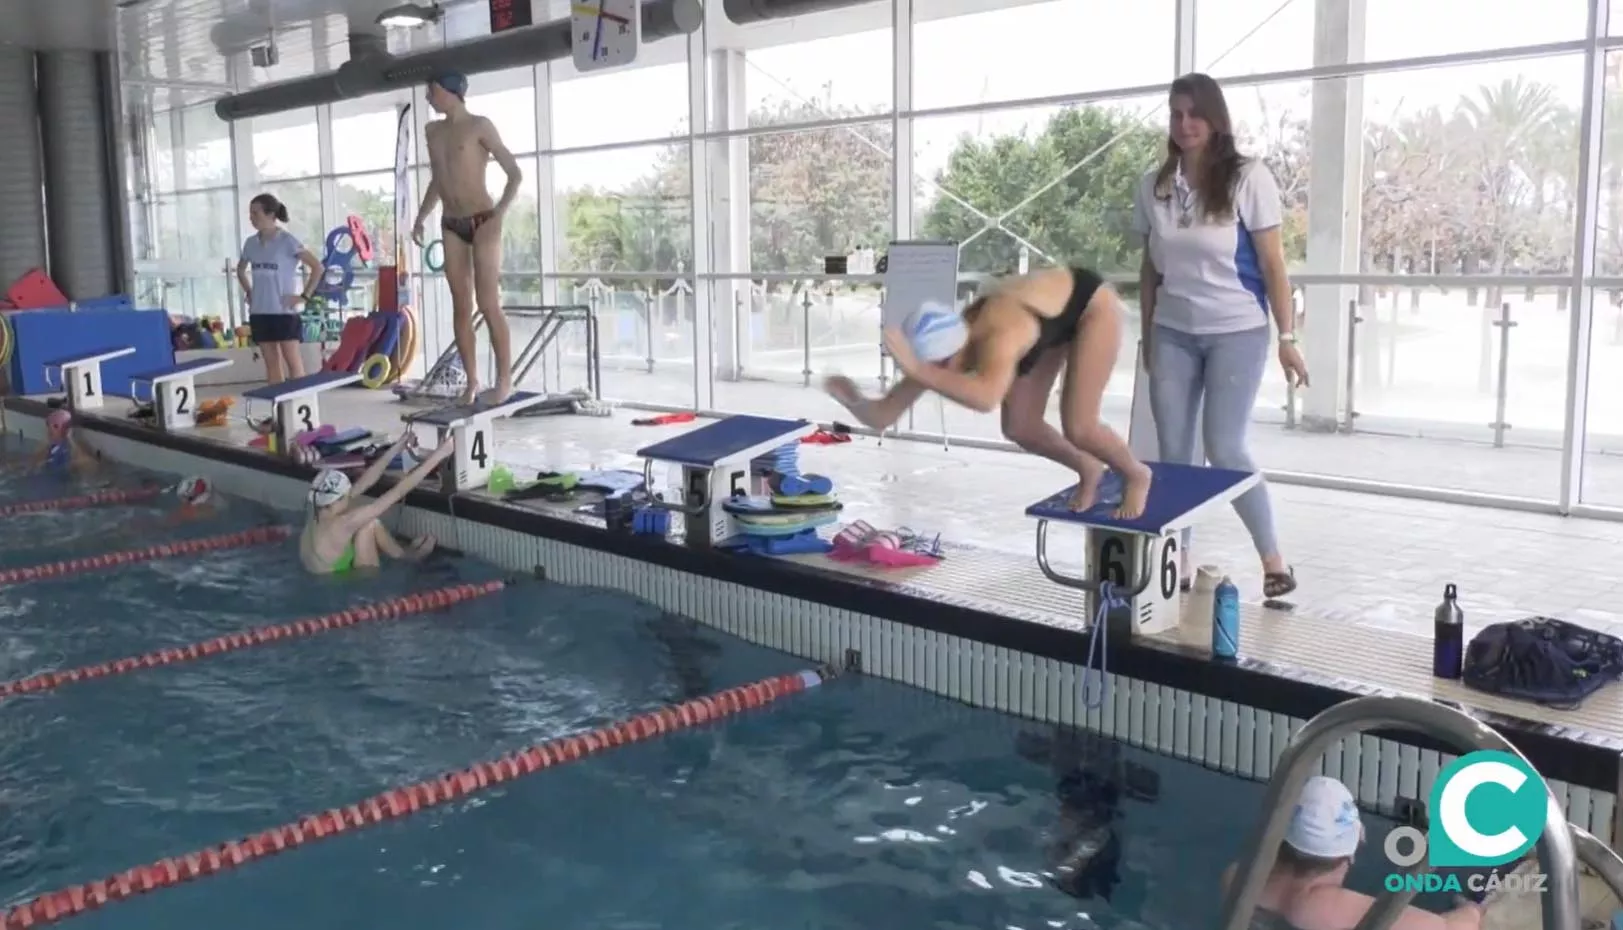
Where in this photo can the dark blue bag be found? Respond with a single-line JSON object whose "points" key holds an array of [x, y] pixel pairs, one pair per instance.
{"points": [[1543, 660]]}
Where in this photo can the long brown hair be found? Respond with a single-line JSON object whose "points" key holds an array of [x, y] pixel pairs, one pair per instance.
{"points": [[1221, 164]]}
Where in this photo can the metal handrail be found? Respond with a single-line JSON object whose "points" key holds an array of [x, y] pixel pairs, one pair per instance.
{"points": [[1132, 589], [1600, 859], [1556, 852]]}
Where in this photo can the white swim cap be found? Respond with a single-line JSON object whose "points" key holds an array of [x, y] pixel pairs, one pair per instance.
{"points": [[1325, 823], [328, 488], [935, 331], [194, 490]]}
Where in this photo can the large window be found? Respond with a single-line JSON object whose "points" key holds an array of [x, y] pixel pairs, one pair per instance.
{"points": [[1022, 189], [818, 192], [611, 107], [1430, 215], [507, 99], [364, 132], [286, 145], [628, 210], [825, 79], [1045, 49]]}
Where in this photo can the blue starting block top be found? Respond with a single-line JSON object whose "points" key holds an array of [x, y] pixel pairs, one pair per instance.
{"points": [[298, 387], [733, 439], [457, 414], [1179, 494], [196, 366], [83, 358]]}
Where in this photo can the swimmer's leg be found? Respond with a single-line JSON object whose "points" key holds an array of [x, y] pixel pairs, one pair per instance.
{"points": [[1093, 359], [384, 543], [1025, 423]]}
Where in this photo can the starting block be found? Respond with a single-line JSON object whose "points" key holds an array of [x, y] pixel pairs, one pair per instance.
{"points": [[174, 391], [472, 428], [80, 375], [1139, 558], [296, 407], [715, 462]]}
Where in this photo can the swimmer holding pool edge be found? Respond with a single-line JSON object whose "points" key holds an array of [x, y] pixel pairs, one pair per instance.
{"points": [[345, 532], [1007, 350], [62, 451]]}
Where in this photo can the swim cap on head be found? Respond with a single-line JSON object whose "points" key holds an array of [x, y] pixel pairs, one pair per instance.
{"points": [[194, 490], [328, 488], [59, 419], [453, 82], [1325, 823], [935, 331]]}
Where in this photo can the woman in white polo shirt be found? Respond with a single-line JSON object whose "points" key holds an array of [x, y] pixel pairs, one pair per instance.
{"points": [[1212, 276]]}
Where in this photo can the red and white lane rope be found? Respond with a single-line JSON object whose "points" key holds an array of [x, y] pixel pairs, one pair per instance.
{"points": [[399, 802], [81, 501], [254, 537], [390, 609]]}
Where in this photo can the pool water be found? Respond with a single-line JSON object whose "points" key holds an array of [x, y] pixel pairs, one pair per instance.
{"points": [[856, 803]]}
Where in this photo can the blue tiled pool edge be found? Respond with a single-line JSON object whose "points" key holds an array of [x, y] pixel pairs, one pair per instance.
{"points": [[1234, 719]]}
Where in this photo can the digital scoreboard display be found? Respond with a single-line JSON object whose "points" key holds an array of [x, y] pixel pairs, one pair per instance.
{"points": [[509, 14]]}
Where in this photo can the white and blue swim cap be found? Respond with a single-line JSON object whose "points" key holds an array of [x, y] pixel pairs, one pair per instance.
{"points": [[935, 331], [328, 488], [1325, 823]]}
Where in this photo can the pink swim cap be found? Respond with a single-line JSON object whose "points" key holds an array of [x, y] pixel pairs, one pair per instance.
{"points": [[59, 419]]}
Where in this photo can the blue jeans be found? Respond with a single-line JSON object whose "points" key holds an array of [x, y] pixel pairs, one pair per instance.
{"points": [[1220, 372]]}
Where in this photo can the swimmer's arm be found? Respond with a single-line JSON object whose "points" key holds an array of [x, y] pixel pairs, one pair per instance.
{"points": [[80, 458], [983, 389], [431, 191], [492, 141], [885, 411], [359, 517], [380, 465]]}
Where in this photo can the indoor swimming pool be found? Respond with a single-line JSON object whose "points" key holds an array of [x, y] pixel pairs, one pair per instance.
{"points": [[853, 803]]}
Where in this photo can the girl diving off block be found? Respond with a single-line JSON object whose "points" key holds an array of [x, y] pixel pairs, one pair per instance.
{"points": [[1007, 349], [343, 534]]}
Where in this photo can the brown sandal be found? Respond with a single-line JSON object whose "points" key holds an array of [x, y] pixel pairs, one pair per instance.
{"points": [[1278, 584]]}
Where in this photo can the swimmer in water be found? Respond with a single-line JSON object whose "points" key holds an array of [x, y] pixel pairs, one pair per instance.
{"points": [[62, 454], [1305, 889], [197, 500], [1009, 348], [343, 534]]}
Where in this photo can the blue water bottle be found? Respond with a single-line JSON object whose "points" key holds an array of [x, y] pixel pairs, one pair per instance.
{"points": [[1226, 620]]}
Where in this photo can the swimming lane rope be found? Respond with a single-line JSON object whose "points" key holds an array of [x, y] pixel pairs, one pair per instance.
{"points": [[81, 501], [254, 537], [390, 609], [400, 802]]}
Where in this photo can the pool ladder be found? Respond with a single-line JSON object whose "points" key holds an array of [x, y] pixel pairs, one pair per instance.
{"points": [[1561, 847]]}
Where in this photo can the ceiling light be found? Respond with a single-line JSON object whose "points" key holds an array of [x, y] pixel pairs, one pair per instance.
{"points": [[409, 16]]}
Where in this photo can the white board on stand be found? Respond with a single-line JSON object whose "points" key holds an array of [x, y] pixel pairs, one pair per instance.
{"points": [[1142, 436], [605, 33], [917, 271]]}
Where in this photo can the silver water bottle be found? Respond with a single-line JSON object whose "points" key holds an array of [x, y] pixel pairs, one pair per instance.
{"points": [[1448, 636]]}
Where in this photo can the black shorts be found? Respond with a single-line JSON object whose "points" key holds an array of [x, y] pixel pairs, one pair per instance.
{"points": [[276, 327]]}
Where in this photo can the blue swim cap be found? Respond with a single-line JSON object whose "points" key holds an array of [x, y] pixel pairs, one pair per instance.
{"points": [[935, 331], [454, 82]]}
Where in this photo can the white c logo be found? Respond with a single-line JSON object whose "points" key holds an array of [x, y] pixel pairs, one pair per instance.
{"points": [[1458, 827]]}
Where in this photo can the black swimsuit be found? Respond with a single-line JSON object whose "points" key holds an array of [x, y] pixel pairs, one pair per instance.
{"points": [[1060, 329], [463, 227]]}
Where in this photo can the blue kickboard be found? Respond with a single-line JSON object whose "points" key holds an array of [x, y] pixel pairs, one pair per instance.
{"points": [[1175, 492], [196, 364], [706, 446], [52, 335], [305, 385], [344, 437], [455, 413]]}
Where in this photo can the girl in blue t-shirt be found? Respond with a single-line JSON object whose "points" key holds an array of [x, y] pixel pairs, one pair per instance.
{"points": [[269, 274]]}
